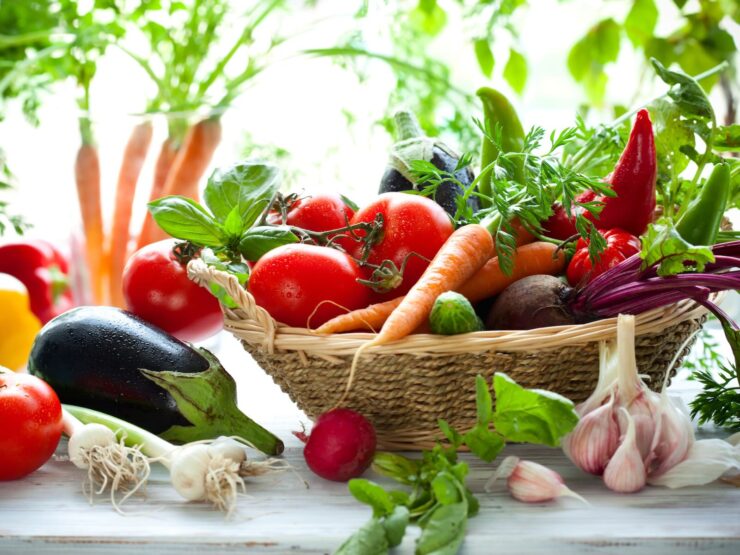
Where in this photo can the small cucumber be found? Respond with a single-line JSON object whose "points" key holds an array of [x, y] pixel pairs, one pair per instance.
{"points": [[452, 313]]}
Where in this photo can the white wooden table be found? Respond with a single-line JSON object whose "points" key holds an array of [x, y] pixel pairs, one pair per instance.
{"points": [[47, 513]]}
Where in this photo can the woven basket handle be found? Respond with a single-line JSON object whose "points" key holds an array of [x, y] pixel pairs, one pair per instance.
{"points": [[204, 275]]}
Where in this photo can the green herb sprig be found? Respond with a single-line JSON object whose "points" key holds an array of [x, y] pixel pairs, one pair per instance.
{"points": [[437, 498]]}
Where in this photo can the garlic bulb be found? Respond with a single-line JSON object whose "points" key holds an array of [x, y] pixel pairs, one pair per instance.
{"points": [[627, 432]]}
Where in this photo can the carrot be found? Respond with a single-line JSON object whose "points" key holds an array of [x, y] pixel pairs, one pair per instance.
{"points": [[189, 165], [87, 177], [528, 260], [463, 254], [128, 176], [166, 157], [490, 280], [371, 318]]}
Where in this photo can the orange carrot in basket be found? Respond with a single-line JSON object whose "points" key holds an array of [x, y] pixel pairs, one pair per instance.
{"points": [[463, 254], [189, 165], [87, 178], [166, 157], [490, 280], [133, 159], [527, 260], [369, 318]]}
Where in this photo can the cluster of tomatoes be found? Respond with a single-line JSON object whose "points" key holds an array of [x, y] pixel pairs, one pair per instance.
{"points": [[305, 285]]}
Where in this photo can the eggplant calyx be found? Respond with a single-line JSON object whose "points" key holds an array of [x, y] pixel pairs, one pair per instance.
{"points": [[207, 400]]}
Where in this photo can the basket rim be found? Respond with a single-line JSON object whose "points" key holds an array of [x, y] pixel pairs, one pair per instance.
{"points": [[252, 324]]}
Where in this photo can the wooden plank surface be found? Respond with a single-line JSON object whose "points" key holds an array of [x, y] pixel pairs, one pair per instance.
{"points": [[47, 513]]}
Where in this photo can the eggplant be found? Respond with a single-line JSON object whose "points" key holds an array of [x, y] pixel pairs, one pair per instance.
{"points": [[109, 360], [414, 145]]}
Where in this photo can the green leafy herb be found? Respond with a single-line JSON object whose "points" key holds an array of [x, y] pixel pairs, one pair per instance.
{"points": [[260, 240], [185, 219], [662, 243], [439, 500], [720, 399]]}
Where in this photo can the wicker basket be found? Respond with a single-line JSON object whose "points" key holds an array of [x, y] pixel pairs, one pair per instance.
{"points": [[405, 386]]}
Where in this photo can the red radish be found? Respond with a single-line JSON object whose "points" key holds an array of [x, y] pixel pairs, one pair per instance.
{"points": [[341, 445]]}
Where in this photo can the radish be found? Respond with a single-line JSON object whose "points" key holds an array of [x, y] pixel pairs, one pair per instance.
{"points": [[341, 445]]}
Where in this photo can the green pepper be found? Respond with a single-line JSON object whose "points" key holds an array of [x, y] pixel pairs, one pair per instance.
{"points": [[498, 110], [700, 223]]}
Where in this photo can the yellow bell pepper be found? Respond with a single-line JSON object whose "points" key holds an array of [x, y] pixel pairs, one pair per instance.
{"points": [[18, 325]]}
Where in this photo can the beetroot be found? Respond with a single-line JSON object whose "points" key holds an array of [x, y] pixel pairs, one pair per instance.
{"points": [[341, 445]]}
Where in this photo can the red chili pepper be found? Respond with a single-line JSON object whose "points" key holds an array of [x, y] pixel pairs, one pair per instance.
{"points": [[620, 245], [633, 180], [43, 270]]}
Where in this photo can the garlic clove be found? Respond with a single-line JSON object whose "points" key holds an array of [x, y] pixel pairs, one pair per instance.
{"points": [[626, 471], [674, 437], [531, 482], [706, 461], [644, 411], [594, 440]]}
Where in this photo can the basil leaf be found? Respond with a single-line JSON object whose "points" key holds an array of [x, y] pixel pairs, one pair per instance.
{"points": [[531, 415], [452, 435], [238, 269], [395, 525], [260, 240], [372, 494], [444, 531], [369, 540], [233, 225], [185, 219], [247, 185], [662, 243]]}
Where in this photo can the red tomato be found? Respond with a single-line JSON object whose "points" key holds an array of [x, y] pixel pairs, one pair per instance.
{"points": [[156, 288], [620, 245], [320, 213], [412, 223], [291, 281], [31, 417]]}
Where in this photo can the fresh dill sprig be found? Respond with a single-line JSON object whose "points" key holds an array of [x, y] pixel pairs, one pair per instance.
{"points": [[719, 401]]}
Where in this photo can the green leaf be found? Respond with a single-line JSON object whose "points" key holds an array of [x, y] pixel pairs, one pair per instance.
{"points": [[483, 401], [663, 244], [185, 219], [349, 202], [531, 415], [258, 241], [238, 269], [399, 468], [671, 133], [372, 494], [640, 21], [588, 57], [484, 55], [483, 443], [444, 531], [247, 185], [371, 539], [445, 488], [395, 525], [727, 138], [233, 225], [685, 92], [515, 71], [452, 435], [428, 17]]}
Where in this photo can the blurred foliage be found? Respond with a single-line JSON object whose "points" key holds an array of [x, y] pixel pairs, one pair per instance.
{"points": [[700, 41]]}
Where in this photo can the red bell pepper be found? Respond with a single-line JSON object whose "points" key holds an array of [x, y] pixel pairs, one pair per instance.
{"points": [[620, 245], [633, 180], [43, 270]]}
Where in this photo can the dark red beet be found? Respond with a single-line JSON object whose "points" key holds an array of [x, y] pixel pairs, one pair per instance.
{"points": [[341, 445]]}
